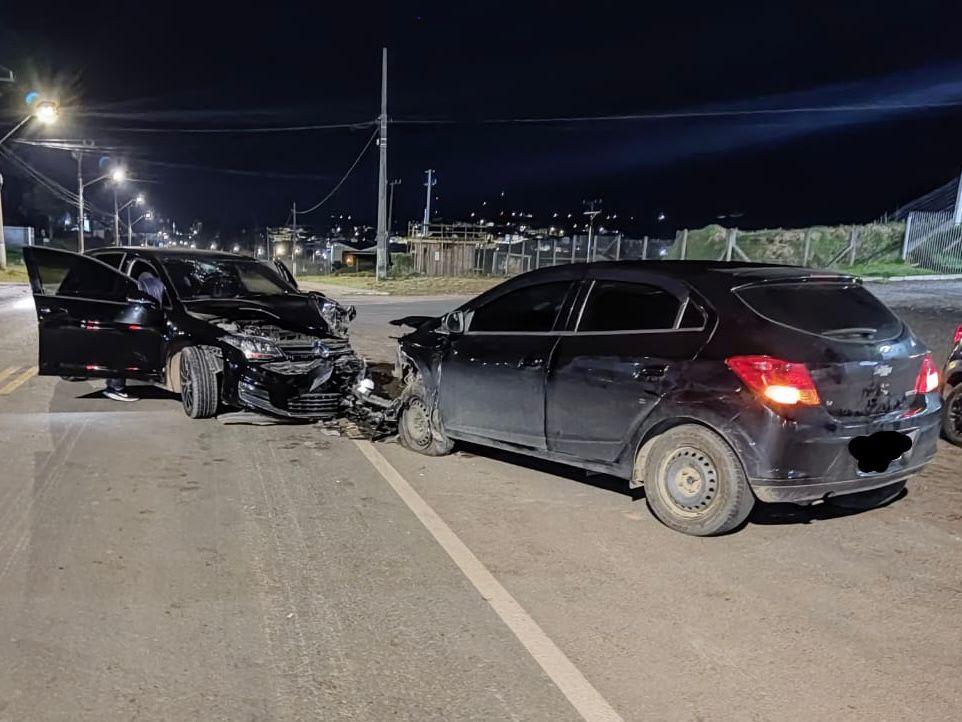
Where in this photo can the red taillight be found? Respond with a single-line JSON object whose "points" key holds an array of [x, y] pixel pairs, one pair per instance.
{"points": [[958, 334], [929, 379], [777, 382]]}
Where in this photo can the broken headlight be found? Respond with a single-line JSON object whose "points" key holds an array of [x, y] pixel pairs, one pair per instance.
{"points": [[254, 348]]}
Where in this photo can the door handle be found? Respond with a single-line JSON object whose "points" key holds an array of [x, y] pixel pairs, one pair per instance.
{"points": [[649, 373], [531, 362]]}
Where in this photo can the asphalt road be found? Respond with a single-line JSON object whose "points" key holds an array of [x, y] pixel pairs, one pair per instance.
{"points": [[158, 568]]}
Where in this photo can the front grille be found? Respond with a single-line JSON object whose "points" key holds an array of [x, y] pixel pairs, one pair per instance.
{"points": [[314, 404], [309, 348]]}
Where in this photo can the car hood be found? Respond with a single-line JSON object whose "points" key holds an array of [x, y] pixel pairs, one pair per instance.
{"points": [[295, 312]]}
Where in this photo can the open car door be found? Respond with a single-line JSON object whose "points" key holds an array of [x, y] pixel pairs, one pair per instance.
{"points": [[93, 320]]}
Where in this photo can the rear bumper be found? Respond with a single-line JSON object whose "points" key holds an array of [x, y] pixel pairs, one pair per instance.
{"points": [[837, 469]]}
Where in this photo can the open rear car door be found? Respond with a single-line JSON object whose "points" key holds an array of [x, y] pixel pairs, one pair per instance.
{"points": [[93, 320]]}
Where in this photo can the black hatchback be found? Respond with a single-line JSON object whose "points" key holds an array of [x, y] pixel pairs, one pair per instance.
{"points": [[711, 384]]}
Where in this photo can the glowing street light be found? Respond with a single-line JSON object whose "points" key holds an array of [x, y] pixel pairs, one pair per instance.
{"points": [[118, 175], [47, 112]]}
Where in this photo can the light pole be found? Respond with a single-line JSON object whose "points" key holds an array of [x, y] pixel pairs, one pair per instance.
{"points": [[139, 200], [117, 175], [147, 215], [591, 213], [46, 112], [390, 204]]}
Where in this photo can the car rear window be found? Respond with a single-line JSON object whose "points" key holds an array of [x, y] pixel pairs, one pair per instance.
{"points": [[845, 311]]}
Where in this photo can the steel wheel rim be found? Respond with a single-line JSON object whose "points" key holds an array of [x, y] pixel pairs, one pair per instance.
{"points": [[186, 386], [688, 479], [417, 423]]}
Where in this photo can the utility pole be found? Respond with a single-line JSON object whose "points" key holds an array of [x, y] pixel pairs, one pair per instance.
{"points": [[130, 229], [80, 200], [382, 229], [390, 204], [591, 213], [294, 239], [3, 243], [431, 182], [116, 219]]}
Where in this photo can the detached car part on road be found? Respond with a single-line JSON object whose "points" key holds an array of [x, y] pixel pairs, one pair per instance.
{"points": [[710, 384], [952, 392], [228, 330]]}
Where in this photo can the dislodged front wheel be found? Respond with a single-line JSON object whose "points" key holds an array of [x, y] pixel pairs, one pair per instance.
{"points": [[695, 484], [417, 428]]}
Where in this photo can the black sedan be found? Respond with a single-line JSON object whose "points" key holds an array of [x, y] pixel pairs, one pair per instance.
{"points": [[226, 330], [711, 384]]}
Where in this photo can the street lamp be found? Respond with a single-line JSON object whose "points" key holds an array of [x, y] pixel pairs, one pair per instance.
{"points": [[45, 112], [147, 215], [139, 200]]}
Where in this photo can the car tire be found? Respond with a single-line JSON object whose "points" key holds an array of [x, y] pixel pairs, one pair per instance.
{"points": [[695, 483], [198, 384], [418, 427], [865, 500], [952, 416]]}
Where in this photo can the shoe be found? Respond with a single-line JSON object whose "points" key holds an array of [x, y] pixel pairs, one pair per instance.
{"points": [[118, 395]]}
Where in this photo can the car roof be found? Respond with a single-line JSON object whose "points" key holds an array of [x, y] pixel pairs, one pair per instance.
{"points": [[171, 252], [721, 273]]}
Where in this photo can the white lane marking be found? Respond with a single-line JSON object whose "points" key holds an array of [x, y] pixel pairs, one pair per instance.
{"points": [[583, 696], [19, 380]]}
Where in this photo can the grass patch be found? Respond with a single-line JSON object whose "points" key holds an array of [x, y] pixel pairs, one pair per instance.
{"points": [[14, 273], [410, 286], [885, 269]]}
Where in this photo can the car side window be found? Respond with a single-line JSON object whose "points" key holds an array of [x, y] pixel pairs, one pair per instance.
{"points": [[89, 279], [620, 306], [532, 309], [111, 259]]}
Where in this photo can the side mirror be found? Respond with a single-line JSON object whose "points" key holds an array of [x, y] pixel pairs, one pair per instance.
{"points": [[142, 299], [453, 322]]}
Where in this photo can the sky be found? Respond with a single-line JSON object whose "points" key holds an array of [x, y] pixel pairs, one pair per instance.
{"points": [[190, 98]]}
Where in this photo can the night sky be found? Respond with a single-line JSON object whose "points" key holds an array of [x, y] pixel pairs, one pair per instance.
{"points": [[130, 74]]}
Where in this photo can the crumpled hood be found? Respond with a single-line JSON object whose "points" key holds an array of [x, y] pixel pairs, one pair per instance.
{"points": [[294, 312]]}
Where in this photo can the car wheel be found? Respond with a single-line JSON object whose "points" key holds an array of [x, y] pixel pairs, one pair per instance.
{"points": [[952, 416], [865, 500], [694, 482], [198, 384], [417, 427]]}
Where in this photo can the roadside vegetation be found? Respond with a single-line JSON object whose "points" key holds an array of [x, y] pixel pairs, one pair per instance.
{"points": [[409, 285], [15, 272]]}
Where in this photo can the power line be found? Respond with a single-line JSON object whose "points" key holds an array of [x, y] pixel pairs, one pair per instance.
{"points": [[693, 114], [261, 129], [344, 177]]}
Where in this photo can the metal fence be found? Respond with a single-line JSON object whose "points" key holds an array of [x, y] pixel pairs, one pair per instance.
{"points": [[933, 240]]}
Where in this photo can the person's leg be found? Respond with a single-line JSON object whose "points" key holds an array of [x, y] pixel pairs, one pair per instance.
{"points": [[117, 390]]}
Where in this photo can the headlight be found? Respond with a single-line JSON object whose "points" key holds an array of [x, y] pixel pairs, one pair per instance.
{"points": [[254, 348]]}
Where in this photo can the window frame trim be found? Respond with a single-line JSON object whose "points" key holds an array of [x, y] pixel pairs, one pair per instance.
{"points": [[567, 302], [683, 301]]}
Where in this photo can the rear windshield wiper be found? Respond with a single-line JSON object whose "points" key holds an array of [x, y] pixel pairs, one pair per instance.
{"points": [[853, 331]]}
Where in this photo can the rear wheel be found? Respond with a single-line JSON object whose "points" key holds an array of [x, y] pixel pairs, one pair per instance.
{"points": [[952, 416], [695, 484], [418, 426], [198, 384]]}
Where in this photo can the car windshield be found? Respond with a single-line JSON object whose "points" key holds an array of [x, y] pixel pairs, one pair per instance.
{"points": [[196, 278]]}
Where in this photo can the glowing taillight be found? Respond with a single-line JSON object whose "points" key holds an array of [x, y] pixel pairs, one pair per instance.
{"points": [[782, 383], [929, 379], [958, 335]]}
